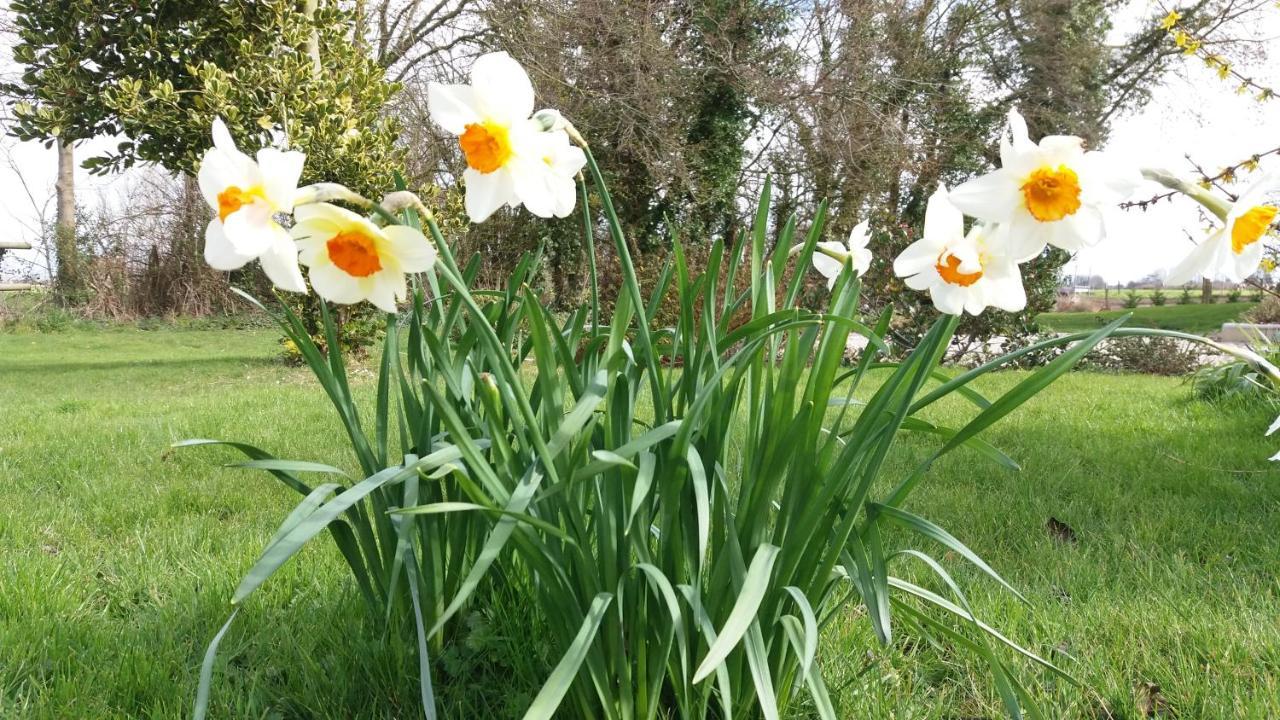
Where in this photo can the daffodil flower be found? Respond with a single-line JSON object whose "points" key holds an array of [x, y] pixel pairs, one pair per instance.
{"points": [[962, 272], [350, 259], [246, 195], [1047, 193], [511, 161], [831, 255], [1234, 250]]}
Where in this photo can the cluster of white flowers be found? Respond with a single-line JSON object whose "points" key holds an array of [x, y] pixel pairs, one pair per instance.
{"points": [[1048, 193], [513, 158]]}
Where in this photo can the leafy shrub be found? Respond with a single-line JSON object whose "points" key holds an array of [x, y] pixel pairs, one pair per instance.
{"points": [[1266, 312], [1158, 298], [1185, 297], [1131, 299], [1234, 295], [1147, 355], [1232, 381], [1258, 295]]}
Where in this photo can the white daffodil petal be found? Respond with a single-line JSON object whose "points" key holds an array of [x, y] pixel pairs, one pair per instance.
{"points": [[382, 290], [917, 257], [486, 193], [280, 263], [327, 215], [1275, 425], [219, 253], [452, 107], [1061, 150], [220, 170], [859, 236], [531, 181], [1246, 262], [410, 247], [334, 285], [992, 197], [1018, 135], [1200, 261], [502, 87], [942, 219], [861, 260], [280, 174], [250, 230], [948, 299]]}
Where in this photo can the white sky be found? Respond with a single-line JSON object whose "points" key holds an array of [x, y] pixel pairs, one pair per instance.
{"points": [[1194, 113]]}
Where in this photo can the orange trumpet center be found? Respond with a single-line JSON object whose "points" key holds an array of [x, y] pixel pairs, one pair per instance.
{"points": [[948, 268], [487, 146], [1251, 226], [355, 253], [234, 198], [1052, 194]]}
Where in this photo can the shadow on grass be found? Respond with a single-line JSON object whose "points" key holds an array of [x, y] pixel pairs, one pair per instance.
{"points": [[73, 366]]}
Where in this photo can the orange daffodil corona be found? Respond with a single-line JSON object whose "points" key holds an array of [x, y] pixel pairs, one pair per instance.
{"points": [[350, 259], [1235, 250], [246, 196], [512, 157]]}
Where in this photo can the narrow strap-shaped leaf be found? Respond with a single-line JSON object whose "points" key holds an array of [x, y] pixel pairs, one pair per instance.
{"points": [[810, 629], [644, 482], [977, 444], [929, 530], [797, 636], [998, 670], [941, 602], [754, 586], [703, 623], [257, 454], [441, 508], [293, 466], [206, 669], [553, 690], [701, 501], [761, 676], [291, 543], [303, 510], [424, 659]]}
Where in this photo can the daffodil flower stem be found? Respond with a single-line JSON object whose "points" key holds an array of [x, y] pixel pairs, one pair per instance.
{"points": [[335, 192], [833, 254], [1212, 203]]}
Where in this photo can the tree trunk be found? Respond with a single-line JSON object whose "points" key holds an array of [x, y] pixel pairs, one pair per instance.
{"points": [[1206, 291], [69, 282]]}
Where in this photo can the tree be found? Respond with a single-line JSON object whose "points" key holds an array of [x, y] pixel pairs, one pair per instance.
{"points": [[159, 71]]}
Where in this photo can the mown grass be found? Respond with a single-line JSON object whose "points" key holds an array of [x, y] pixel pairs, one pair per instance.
{"points": [[1198, 319], [120, 554]]}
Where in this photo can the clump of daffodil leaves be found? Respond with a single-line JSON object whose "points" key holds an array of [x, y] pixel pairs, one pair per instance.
{"points": [[695, 503]]}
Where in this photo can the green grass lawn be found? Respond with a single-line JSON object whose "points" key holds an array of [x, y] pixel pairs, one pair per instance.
{"points": [[119, 554], [1199, 319]]}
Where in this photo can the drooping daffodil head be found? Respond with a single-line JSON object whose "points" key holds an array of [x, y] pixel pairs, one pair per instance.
{"points": [[1048, 193], [350, 259], [245, 196], [511, 159], [1235, 251], [963, 272], [831, 255]]}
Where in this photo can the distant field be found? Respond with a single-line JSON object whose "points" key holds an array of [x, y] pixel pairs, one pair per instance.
{"points": [[1172, 294], [1199, 319]]}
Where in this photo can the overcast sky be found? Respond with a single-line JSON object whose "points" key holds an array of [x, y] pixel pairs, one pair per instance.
{"points": [[1194, 113]]}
